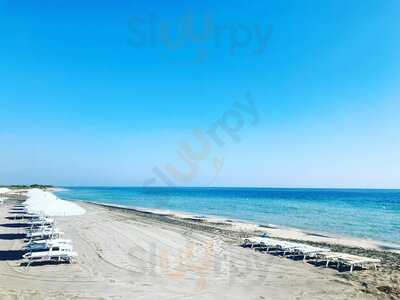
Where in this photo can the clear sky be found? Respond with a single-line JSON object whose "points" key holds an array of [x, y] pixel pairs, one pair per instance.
{"points": [[106, 92]]}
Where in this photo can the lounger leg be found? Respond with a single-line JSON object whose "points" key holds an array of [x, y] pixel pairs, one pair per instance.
{"points": [[351, 268], [327, 263]]}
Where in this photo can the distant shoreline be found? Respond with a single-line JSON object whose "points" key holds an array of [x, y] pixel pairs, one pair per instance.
{"points": [[239, 187], [272, 229], [330, 214]]}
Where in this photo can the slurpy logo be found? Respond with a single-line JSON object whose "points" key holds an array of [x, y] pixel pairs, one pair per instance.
{"points": [[201, 34], [226, 129], [201, 262]]}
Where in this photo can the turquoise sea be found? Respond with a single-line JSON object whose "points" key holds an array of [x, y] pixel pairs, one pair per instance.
{"points": [[372, 214]]}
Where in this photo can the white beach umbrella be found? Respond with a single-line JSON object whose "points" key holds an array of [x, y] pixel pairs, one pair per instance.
{"points": [[4, 190], [47, 203]]}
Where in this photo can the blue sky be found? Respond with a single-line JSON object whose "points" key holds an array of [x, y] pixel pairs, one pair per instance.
{"points": [[105, 93]]}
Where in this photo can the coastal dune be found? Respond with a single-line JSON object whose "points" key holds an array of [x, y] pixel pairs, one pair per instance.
{"points": [[131, 255]]}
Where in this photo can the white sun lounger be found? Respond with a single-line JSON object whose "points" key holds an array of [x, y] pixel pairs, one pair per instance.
{"points": [[266, 243], [306, 250], [287, 247], [348, 259], [48, 241], [39, 228], [57, 253], [53, 232], [41, 220], [46, 245]]}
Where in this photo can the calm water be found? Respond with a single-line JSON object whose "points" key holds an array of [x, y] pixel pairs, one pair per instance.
{"points": [[373, 214]]}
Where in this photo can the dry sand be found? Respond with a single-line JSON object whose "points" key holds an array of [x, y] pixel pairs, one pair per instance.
{"points": [[131, 255]]}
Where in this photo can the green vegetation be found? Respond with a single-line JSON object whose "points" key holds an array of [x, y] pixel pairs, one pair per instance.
{"points": [[32, 186]]}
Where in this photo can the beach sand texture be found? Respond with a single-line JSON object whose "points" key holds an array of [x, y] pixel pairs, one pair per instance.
{"points": [[130, 255]]}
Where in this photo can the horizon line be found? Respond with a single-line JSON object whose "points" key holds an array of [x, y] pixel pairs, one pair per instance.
{"points": [[231, 187]]}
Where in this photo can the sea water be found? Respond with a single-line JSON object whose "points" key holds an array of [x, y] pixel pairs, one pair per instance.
{"points": [[372, 214]]}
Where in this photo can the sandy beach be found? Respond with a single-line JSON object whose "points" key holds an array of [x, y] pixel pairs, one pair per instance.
{"points": [[125, 254]]}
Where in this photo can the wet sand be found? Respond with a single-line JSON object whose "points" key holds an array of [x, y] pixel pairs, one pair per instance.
{"points": [[124, 254]]}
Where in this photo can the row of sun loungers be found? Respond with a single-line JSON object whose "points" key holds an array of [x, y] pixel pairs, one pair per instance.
{"points": [[309, 252], [43, 239]]}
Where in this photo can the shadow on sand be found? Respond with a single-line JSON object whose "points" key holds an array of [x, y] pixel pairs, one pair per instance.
{"points": [[15, 225], [319, 264], [14, 219], [12, 236], [342, 268], [11, 255], [43, 263]]}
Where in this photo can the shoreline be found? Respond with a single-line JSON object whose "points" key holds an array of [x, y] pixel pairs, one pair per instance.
{"points": [[275, 231], [371, 223]]}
